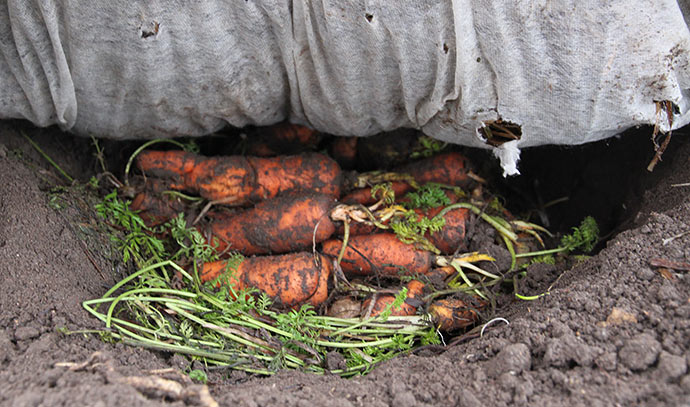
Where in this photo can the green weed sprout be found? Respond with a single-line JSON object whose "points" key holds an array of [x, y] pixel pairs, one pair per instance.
{"points": [[583, 238]]}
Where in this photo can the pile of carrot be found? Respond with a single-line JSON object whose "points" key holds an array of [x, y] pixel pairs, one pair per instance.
{"points": [[311, 227]]}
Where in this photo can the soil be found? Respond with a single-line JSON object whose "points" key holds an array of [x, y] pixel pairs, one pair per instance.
{"points": [[614, 330]]}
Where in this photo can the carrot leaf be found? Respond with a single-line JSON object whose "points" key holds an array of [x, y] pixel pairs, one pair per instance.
{"points": [[411, 228], [428, 147], [430, 195], [583, 237]]}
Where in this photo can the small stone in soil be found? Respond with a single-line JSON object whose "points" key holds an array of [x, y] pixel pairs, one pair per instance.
{"points": [[514, 358], [560, 352], [685, 384], [607, 361], [670, 366], [25, 332], [639, 352], [5, 346], [404, 399]]}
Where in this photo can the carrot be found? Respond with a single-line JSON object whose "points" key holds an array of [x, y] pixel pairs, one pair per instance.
{"points": [[386, 150], [446, 168], [415, 289], [277, 225], [447, 240], [379, 253], [344, 151], [451, 314], [167, 164], [291, 279], [153, 206], [357, 228], [452, 235], [243, 179], [282, 138], [363, 195]]}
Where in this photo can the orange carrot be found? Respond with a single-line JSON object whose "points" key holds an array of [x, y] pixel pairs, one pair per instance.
{"points": [[446, 168], [452, 235], [167, 164], [415, 289], [282, 138], [243, 179], [379, 253], [344, 151], [277, 225], [451, 314], [291, 279], [357, 228], [153, 206], [363, 195], [447, 240]]}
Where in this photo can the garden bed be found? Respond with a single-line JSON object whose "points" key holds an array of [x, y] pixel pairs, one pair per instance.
{"points": [[613, 330]]}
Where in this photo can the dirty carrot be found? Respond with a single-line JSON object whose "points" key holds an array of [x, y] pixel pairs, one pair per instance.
{"points": [[448, 314], [415, 289], [381, 302], [357, 228], [155, 207], [447, 168], [279, 225], [244, 179], [380, 253], [291, 279], [344, 151], [447, 240], [452, 235], [282, 138], [364, 196], [451, 314]]}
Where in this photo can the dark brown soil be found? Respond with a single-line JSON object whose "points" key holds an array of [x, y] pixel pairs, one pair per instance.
{"points": [[613, 331]]}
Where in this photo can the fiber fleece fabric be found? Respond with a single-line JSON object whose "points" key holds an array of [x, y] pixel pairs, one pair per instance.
{"points": [[567, 71]]}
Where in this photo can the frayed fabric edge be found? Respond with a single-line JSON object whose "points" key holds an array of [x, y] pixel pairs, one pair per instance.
{"points": [[509, 155]]}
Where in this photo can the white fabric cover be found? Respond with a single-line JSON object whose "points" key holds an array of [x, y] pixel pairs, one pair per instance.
{"points": [[567, 71]]}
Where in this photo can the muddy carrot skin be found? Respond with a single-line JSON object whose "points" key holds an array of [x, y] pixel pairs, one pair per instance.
{"points": [[243, 179], [282, 138], [363, 195], [153, 206], [357, 228], [344, 151], [379, 253], [447, 240], [414, 290], [452, 235], [451, 314], [291, 279], [279, 225], [447, 168]]}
